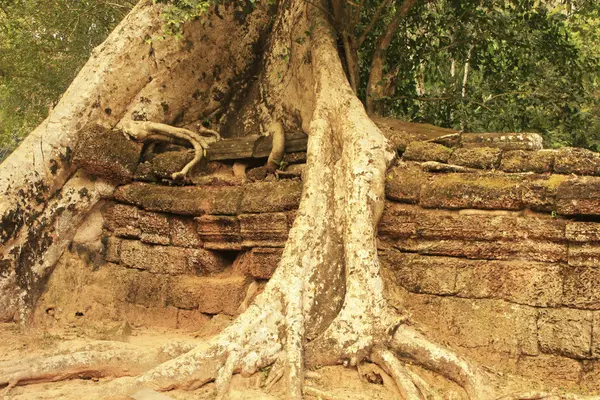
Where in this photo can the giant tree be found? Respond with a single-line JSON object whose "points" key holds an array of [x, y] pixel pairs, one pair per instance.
{"points": [[252, 66]]}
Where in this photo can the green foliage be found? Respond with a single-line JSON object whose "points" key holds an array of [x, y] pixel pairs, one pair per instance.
{"points": [[43, 44], [534, 66]]}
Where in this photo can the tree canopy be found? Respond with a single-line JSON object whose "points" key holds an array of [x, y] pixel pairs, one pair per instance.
{"points": [[480, 65], [43, 44]]}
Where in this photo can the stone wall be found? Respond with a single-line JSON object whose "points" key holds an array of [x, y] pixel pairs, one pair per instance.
{"points": [[493, 251]]}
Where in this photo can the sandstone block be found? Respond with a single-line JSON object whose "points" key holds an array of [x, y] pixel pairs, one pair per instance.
{"points": [[269, 229], [481, 158], [483, 191], [529, 283], [426, 151], [210, 295], [504, 141], [170, 260], [186, 200], [419, 274], [141, 287], [398, 221], [540, 161], [123, 220], [571, 160], [140, 315], [543, 251], [262, 197], [259, 263], [584, 254], [565, 332], [583, 232], [184, 233], [404, 183], [453, 226], [539, 193], [107, 153], [492, 325], [191, 320], [596, 338], [580, 287], [155, 228], [113, 249], [579, 196], [550, 368], [219, 232]]}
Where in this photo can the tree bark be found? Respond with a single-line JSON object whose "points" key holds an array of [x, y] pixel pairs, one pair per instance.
{"points": [[375, 86]]}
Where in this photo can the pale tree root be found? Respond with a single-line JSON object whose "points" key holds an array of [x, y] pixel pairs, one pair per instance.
{"points": [[92, 360], [154, 131]]}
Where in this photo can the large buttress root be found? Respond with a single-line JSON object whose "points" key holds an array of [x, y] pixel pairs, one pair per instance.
{"points": [[325, 303]]}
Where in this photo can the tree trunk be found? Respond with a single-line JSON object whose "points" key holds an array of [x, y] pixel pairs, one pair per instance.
{"points": [[375, 86], [325, 303]]}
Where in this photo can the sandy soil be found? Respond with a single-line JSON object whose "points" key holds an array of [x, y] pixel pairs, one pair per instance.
{"points": [[17, 342]]}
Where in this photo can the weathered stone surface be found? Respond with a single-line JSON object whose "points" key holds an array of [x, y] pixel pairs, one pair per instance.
{"points": [[404, 182], [583, 231], [123, 220], [581, 287], [452, 226], [194, 200], [558, 370], [540, 161], [543, 251], [584, 254], [210, 295], [219, 232], [426, 151], [570, 160], [107, 154], [565, 332], [419, 274], [529, 283], [521, 282], [163, 165], [184, 233], [191, 320], [484, 191], [144, 288], [113, 249], [596, 337], [259, 263], [579, 196], [398, 221], [139, 315], [539, 192], [504, 141], [262, 197], [481, 157], [491, 325], [170, 259], [268, 229], [155, 228]]}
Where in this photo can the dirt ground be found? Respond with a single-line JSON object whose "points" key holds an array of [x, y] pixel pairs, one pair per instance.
{"points": [[333, 383], [17, 343]]}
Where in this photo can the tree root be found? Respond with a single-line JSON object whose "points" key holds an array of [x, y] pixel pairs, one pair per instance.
{"points": [[154, 131]]}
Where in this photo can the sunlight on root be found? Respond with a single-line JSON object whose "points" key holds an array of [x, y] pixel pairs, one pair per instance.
{"points": [[407, 387], [225, 374]]}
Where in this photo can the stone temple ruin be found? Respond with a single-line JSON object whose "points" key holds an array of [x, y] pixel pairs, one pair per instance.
{"points": [[490, 244]]}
